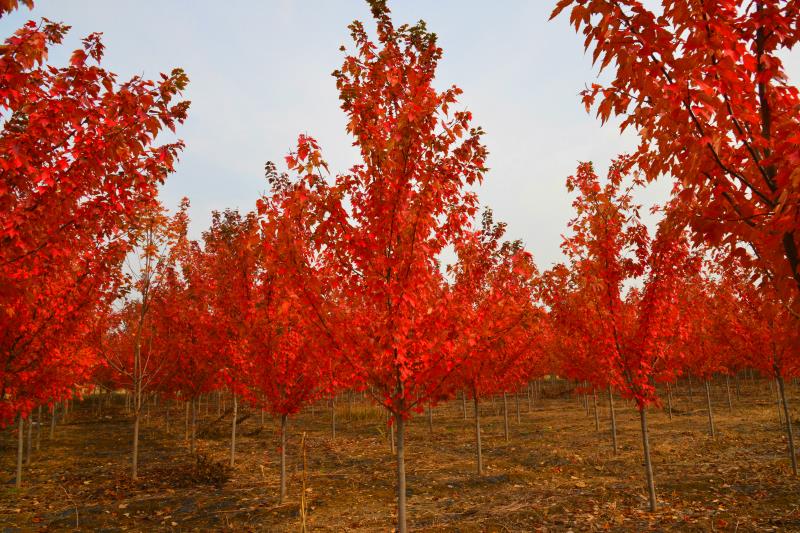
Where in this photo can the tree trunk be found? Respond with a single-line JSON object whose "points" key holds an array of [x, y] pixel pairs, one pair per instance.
{"points": [[669, 400], [135, 460], [233, 430], [430, 419], [283, 459], [648, 466], [711, 430], [193, 440], [613, 418], [728, 388], [333, 417], [464, 404], [505, 416], [778, 401], [186, 422], [738, 388], [516, 399], [30, 442], [401, 476], [530, 397], [691, 390], [38, 427], [53, 420], [789, 434], [391, 434], [596, 414], [478, 434], [20, 446]]}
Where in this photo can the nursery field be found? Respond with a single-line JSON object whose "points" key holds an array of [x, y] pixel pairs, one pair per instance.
{"points": [[556, 472]]}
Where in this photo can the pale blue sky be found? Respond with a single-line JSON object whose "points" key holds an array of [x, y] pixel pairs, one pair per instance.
{"points": [[260, 75]]}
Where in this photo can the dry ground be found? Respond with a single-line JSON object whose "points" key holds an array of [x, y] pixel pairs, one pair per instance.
{"points": [[555, 474]]}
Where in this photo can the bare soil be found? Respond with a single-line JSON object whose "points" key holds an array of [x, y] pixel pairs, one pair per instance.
{"points": [[556, 473]]}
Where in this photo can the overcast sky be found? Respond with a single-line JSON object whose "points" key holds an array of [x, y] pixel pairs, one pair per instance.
{"points": [[260, 75]]}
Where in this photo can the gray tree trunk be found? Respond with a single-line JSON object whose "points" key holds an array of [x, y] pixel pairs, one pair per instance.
{"points": [[648, 466], [135, 459], [711, 430], [193, 440], [333, 417], [669, 400], [233, 430], [20, 446], [29, 446], [283, 459], [38, 428], [478, 434], [789, 433], [401, 476], [613, 419], [505, 416], [728, 388]]}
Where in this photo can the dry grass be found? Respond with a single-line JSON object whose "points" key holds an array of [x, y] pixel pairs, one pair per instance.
{"points": [[555, 474]]}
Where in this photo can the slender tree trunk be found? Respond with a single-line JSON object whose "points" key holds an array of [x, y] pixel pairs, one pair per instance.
{"points": [[333, 417], [262, 417], [186, 422], [392, 449], [691, 390], [20, 446], [464, 404], [728, 389], [778, 401], [53, 420], [669, 400], [648, 466], [30, 442], [38, 427], [613, 419], [350, 396], [516, 399], [401, 475], [738, 388], [505, 416], [596, 414], [193, 440], [478, 434], [789, 434], [135, 460], [711, 430], [283, 459], [169, 408], [430, 419], [586, 402], [233, 430], [530, 397]]}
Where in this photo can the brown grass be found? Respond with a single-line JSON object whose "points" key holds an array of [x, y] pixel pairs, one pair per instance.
{"points": [[556, 473]]}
